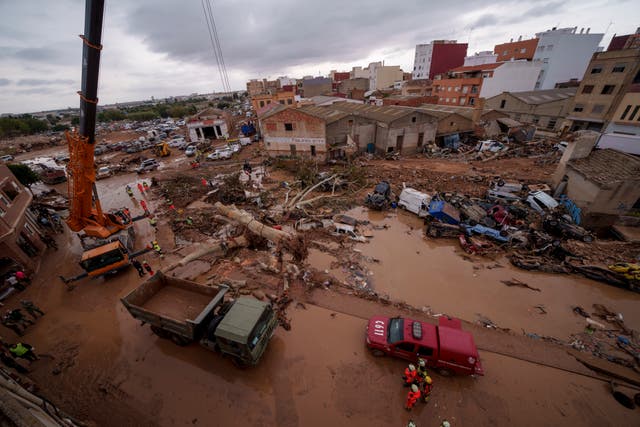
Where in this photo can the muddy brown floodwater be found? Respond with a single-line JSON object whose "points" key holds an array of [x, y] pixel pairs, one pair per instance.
{"points": [[434, 273]]}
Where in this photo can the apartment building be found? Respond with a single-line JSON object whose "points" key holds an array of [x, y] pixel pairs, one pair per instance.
{"points": [[518, 50], [437, 57], [279, 97]]}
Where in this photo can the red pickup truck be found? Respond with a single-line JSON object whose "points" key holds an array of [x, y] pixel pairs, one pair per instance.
{"points": [[445, 347]]}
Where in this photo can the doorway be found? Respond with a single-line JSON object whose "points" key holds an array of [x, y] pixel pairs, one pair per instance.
{"points": [[399, 142]]}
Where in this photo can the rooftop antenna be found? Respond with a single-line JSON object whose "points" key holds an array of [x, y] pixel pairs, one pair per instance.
{"points": [[608, 26]]}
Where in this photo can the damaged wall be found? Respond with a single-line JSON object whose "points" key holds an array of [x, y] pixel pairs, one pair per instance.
{"points": [[292, 132]]}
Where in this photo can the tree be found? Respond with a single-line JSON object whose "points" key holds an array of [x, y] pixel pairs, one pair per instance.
{"points": [[24, 174], [177, 111], [75, 121], [223, 105]]}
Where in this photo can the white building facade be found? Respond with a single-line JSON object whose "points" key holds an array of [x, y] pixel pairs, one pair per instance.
{"points": [[422, 61], [512, 76], [287, 81], [480, 58], [563, 54]]}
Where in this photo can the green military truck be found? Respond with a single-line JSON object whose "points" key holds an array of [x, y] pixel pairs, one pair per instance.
{"points": [[185, 312]]}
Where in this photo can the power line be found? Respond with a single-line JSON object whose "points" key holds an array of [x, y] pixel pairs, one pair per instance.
{"points": [[215, 45]]}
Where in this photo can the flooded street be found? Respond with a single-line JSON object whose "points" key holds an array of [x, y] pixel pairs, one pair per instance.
{"points": [[438, 274]]}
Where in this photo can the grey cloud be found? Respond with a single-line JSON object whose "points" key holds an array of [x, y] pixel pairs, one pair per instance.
{"points": [[485, 21], [545, 9], [261, 37], [42, 82], [5, 82]]}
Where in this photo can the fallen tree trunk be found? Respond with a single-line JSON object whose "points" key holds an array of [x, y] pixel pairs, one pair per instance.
{"points": [[293, 243], [236, 242], [253, 225]]}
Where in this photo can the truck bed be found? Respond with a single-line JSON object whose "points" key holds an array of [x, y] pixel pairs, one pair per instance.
{"points": [[178, 306]]}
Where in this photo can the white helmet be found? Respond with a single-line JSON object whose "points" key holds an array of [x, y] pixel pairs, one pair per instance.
{"points": [[422, 363], [412, 367], [414, 388], [445, 423]]}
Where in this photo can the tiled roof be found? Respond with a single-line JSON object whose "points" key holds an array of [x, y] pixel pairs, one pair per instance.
{"points": [[482, 67], [536, 97], [327, 114], [383, 113], [608, 166]]}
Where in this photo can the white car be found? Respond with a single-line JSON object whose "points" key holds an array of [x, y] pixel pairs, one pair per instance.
{"points": [[190, 151], [221, 153], [103, 172], [178, 143], [234, 147]]}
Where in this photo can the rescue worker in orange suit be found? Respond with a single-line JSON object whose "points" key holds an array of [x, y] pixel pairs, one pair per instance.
{"points": [[410, 375], [412, 397], [427, 388]]}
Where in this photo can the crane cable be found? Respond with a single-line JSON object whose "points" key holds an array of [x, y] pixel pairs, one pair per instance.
{"points": [[215, 44]]}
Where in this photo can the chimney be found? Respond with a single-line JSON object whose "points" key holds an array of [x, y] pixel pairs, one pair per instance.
{"points": [[477, 110], [519, 38], [588, 29]]}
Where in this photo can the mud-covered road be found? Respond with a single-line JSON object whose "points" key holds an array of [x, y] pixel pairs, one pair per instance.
{"points": [[101, 365]]}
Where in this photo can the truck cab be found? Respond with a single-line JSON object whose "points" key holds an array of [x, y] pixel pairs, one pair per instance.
{"points": [[444, 347], [243, 331]]}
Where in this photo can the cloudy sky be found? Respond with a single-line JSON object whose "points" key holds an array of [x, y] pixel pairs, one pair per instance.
{"points": [[161, 47]]}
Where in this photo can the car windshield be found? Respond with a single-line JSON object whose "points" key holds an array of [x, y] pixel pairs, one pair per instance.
{"points": [[396, 329]]}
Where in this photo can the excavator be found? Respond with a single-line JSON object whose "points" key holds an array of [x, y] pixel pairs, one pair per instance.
{"points": [[162, 149], [107, 237]]}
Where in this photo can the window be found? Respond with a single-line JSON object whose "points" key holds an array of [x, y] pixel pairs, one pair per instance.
{"points": [[350, 122], [608, 89], [472, 101], [420, 139], [2, 212], [446, 100], [545, 60], [425, 351], [6, 202], [10, 192], [281, 101], [474, 89], [635, 111], [523, 50], [540, 48], [503, 103], [261, 104], [578, 108], [463, 100], [506, 52], [587, 89], [449, 89], [268, 101], [550, 47], [406, 346], [596, 69], [551, 123], [413, 119], [313, 150], [618, 68], [598, 108], [288, 126], [289, 101], [457, 89], [625, 112], [465, 89]]}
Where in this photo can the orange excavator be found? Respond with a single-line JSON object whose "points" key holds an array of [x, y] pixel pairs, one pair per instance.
{"points": [[107, 237]]}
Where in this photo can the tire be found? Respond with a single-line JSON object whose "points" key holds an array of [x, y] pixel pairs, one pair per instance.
{"points": [[159, 332], [178, 340], [445, 372], [377, 353]]}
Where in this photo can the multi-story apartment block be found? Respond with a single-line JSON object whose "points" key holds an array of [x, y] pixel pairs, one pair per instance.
{"points": [[437, 57]]}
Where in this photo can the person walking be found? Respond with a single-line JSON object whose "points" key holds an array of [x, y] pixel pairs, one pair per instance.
{"points": [[143, 205], [410, 375], [23, 351], [427, 388], [13, 282], [153, 222], [412, 397], [145, 186], [136, 264], [156, 247], [147, 267], [141, 189], [31, 308], [422, 369], [129, 191]]}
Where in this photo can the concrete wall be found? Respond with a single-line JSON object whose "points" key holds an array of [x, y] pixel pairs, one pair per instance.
{"points": [[386, 76], [386, 137], [567, 58], [480, 58], [541, 114], [579, 148], [516, 76], [307, 131], [454, 123]]}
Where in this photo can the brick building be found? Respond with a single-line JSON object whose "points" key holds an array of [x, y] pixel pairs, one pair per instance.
{"points": [[350, 85], [409, 100], [463, 88], [606, 81], [546, 109], [520, 49], [422, 87], [437, 57], [211, 123], [315, 86], [278, 97], [20, 242]]}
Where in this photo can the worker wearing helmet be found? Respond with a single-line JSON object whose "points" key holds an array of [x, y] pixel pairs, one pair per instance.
{"points": [[410, 375], [445, 423], [428, 387], [129, 191], [412, 397], [422, 369]]}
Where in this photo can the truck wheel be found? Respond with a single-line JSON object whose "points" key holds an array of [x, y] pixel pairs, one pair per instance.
{"points": [[445, 372], [178, 340], [160, 332], [377, 353]]}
